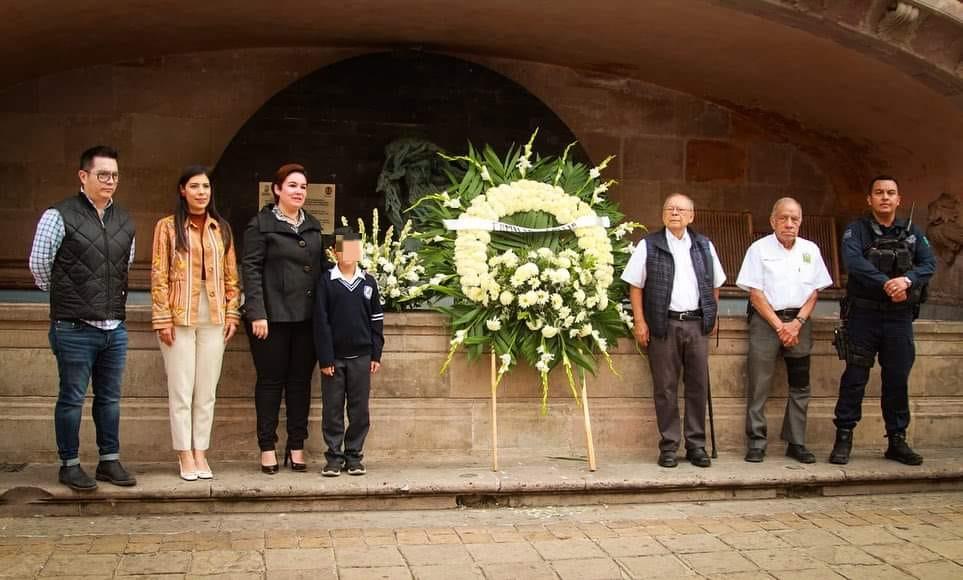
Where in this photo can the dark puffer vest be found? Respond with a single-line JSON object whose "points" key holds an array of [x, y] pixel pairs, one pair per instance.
{"points": [[660, 275], [89, 280]]}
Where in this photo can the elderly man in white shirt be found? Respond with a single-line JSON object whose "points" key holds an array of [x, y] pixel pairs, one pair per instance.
{"points": [[783, 274], [674, 276]]}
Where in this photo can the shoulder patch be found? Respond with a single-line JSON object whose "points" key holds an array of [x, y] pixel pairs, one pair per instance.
{"points": [[368, 291]]}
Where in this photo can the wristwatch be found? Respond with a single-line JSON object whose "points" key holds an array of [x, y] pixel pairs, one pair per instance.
{"points": [[801, 320]]}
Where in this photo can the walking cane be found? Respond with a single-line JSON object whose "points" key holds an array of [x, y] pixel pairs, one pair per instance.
{"points": [[712, 420]]}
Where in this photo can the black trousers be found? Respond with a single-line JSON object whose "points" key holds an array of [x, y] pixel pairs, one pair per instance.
{"points": [[351, 383], [284, 362], [888, 334]]}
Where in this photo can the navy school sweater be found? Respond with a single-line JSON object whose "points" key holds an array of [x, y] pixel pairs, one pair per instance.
{"points": [[348, 318]]}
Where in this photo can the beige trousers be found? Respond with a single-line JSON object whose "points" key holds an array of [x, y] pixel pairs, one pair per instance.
{"points": [[193, 365]]}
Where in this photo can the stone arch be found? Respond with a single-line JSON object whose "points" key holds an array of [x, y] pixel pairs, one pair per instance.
{"points": [[338, 119]]}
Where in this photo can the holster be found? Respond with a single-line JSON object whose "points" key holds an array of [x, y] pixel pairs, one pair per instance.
{"points": [[845, 349]]}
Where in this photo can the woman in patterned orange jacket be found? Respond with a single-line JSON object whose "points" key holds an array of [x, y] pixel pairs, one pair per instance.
{"points": [[196, 310]]}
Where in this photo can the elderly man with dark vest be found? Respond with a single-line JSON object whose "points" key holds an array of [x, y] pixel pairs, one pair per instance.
{"points": [[81, 254], [674, 276]]}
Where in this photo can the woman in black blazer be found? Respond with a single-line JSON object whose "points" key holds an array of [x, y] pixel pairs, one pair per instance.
{"points": [[281, 262]]}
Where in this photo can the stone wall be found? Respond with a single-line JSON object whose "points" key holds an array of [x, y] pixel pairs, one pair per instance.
{"points": [[418, 412], [171, 111]]}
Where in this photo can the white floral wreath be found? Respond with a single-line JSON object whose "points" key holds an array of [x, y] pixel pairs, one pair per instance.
{"points": [[471, 260]]}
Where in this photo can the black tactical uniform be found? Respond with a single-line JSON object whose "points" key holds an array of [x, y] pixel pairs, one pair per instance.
{"points": [[876, 325]]}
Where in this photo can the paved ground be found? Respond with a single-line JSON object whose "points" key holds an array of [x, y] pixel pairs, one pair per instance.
{"points": [[878, 537]]}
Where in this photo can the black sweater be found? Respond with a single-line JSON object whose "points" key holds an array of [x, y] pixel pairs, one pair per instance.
{"points": [[348, 319]]}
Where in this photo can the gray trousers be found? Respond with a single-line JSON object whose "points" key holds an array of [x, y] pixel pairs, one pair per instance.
{"points": [[349, 390], [764, 349], [684, 349]]}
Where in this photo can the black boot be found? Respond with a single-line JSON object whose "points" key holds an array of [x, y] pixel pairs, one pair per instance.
{"points": [[76, 478], [843, 447], [115, 473], [898, 450]]}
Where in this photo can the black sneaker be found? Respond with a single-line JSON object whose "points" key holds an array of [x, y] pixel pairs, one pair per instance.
{"points": [[74, 477], [331, 469], [114, 472], [356, 468]]}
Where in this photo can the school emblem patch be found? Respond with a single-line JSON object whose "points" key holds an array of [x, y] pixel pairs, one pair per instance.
{"points": [[807, 258], [368, 291]]}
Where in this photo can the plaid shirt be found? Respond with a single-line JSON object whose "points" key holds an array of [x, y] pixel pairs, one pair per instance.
{"points": [[46, 243]]}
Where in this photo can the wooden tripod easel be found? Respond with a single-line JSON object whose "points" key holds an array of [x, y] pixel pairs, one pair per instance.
{"points": [[589, 443]]}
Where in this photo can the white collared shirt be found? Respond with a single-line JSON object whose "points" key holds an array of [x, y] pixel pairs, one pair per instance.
{"points": [[336, 274], [786, 277], [685, 287]]}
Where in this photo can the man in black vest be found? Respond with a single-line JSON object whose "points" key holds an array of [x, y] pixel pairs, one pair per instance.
{"points": [[674, 276], [889, 263], [81, 254]]}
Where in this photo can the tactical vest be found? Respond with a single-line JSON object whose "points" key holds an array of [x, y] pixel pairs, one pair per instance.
{"points": [[892, 254], [660, 275], [89, 278]]}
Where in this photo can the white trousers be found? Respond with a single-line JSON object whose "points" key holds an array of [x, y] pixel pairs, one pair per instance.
{"points": [[193, 365]]}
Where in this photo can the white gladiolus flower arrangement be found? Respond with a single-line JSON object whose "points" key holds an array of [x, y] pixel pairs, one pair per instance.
{"points": [[399, 271], [548, 298]]}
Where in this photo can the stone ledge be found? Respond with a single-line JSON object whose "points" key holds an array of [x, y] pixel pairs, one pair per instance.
{"points": [[389, 485]]}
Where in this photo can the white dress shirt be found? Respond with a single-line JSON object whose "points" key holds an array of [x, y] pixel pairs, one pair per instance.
{"points": [[786, 277], [685, 287]]}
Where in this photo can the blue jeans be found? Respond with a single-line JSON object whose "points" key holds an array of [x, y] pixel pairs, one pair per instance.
{"points": [[888, 334], [86, 354]]}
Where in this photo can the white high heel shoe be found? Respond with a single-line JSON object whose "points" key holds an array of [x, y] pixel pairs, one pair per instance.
{"points": [[205, 474], [186, 475]]}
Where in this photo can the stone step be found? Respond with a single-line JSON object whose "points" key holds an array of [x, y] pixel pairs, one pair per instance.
{"points": [[532, 480], [417, 412]]}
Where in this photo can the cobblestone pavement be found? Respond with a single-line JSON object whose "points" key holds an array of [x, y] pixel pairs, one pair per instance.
{"points": [[877, 537]]}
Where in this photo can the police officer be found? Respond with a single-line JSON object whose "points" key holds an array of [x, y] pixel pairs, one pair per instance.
{"points": [[889, 263]]}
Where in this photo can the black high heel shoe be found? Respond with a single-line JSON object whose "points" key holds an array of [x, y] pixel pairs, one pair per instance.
{"points": [[294, 466], [271, 469]]}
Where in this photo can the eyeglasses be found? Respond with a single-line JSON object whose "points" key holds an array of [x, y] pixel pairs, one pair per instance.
{"points": [[674, 209], [106, 176]]}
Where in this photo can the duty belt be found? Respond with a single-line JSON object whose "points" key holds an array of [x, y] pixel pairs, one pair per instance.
{"points": [[685, 315]]}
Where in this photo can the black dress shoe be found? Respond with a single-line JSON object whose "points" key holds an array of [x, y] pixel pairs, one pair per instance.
{"points": [[74, 477], [755, 455], [697, 456], [114, 472], [800, 453], [667, 459]]}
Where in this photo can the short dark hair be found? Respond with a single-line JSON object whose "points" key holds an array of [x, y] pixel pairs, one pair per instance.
{"points": [[283, 172], [87, 157], [882, 178], [347, 234]]}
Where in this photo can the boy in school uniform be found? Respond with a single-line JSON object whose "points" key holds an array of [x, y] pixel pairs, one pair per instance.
{"points": [[349, 338]]}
